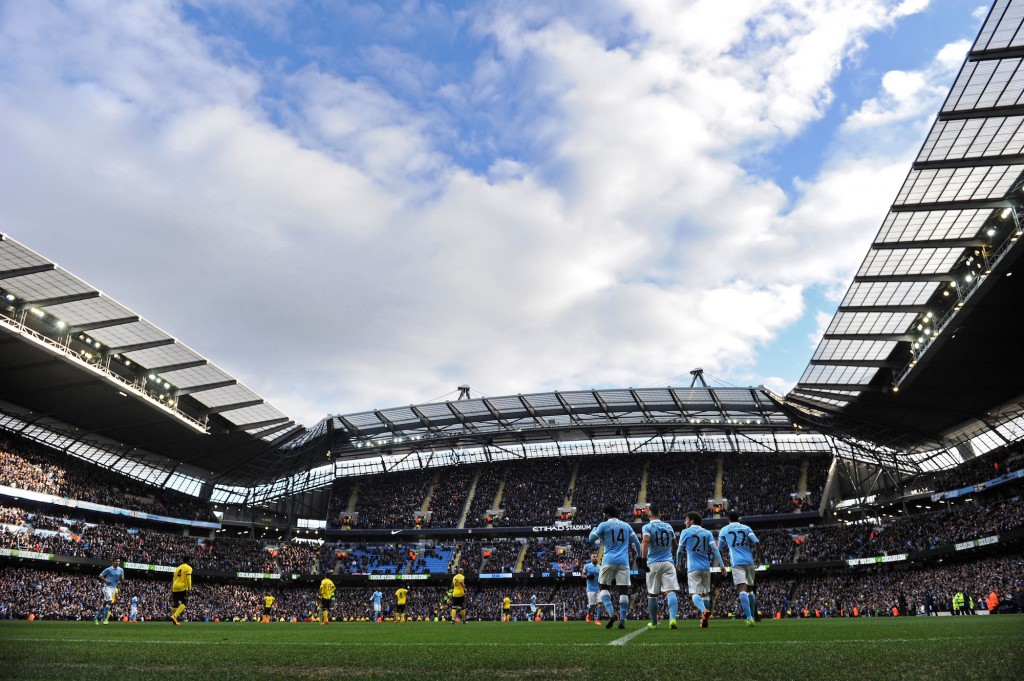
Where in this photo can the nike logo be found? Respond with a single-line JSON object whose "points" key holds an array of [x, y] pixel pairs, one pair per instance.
{"points": [[395, 531]]}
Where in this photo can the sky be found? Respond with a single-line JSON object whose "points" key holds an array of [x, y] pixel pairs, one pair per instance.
{"points": [[360, 205]]}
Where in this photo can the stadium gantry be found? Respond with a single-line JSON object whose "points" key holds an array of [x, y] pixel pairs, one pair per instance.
{"points": [[919, 370]]}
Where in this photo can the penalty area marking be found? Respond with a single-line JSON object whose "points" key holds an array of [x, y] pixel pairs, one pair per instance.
{"points": [[627, 638]]}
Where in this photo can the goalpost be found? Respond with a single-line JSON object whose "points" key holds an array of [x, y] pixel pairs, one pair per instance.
{"points": [[548, 611]]}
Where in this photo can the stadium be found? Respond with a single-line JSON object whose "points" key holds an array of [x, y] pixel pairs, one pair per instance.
{"points": [[884, 489]]}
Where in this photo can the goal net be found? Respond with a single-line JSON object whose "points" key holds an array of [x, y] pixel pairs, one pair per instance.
{"points": [[524, 611]]}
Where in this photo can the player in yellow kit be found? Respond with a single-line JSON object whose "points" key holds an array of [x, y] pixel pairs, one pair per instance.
{"points": [[459, 595], [506, 609], [268, 604], [401, 595], [180, 588], [326, 595]]}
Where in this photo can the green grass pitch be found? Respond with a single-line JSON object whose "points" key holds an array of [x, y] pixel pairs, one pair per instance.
{"points": [[919, 648]]}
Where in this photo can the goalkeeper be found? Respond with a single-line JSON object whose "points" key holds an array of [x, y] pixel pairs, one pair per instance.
{"points": [[616, 537]]}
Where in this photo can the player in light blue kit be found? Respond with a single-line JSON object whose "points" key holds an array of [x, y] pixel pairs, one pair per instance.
{"points": [[743, 550], [110, 577], [699, 545], [656, 550], [616, 537], [377, 595], [133, 614], [592, 571]]}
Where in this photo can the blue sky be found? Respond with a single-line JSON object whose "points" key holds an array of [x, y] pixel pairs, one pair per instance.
{"points": [[355, 205]]}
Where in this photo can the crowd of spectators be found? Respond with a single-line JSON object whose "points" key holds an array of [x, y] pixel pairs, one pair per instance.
{"points": [[606, 480], [341, 492], [32, 467], [143, 545], [977, 470], [377, 559], [532, 497], [912, 533], [877, 592], [503, 555], [680, 483], [392, 500], [757, 485], [483, 497], [449, 498]]}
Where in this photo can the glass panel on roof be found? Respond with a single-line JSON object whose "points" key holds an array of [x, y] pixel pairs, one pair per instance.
{"points": [[580, 398], [254, 414], [88, 311], [838, 374], [957, 184], [694, 398], [14, 256], [730, 397], [1002, 27], [471, 407], [435, 410], [204, 375], [45, 285], [867, 294], [857, 350], [218, 397], [617, 397], [909, 261], [870, 322], [543, 401], [365, 419], [932, 225], [656, 399], [505, 405], [974, 138], [128, 334], [400, 415], [165, 355]]}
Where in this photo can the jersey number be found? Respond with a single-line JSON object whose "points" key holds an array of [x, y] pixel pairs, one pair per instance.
{"points": [[741, 536], [619, 537], [177, 573], [662, 539], [700, 545]]}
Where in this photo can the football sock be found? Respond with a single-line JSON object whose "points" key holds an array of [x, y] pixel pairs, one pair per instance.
{"points": [[699, 602], [623, 607], [180, 609], [745, 600], [606, 601], [463, 615], [453, 614], [652, 609], [753, 604], [673, 605]]}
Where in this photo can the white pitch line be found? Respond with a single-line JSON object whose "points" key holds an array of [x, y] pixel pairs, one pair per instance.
{"points": [[628, 637], [495, 644]]}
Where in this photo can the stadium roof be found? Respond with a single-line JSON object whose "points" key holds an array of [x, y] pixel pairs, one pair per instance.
{"points": [[72, 356], [924, 349]]}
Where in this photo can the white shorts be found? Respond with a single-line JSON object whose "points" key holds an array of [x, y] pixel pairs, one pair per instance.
{"points": [[661, 578], [593, 597], [699, 581], [108, 593], [743, 574], [376, 607], [619, 574]]}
